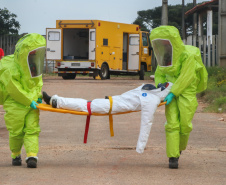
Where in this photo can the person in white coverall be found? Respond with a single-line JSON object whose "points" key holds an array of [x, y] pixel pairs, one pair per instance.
{"points": [[145, 98]]}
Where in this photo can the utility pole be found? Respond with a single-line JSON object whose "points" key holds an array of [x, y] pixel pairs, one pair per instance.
{"points": [[222, 33], [164, 20], [183, 24], [194, 25]]}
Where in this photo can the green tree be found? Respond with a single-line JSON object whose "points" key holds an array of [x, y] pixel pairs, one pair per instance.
{"points": [[8, 23], [151, 18]]}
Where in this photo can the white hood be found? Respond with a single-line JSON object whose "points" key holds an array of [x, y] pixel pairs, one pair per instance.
{"points": [[161, 94]]}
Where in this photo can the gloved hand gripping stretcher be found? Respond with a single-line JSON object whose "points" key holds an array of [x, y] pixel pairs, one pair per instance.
{"points": [[145, 98]]}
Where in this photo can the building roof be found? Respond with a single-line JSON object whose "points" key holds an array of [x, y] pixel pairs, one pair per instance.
{"points": [[202, 7]]}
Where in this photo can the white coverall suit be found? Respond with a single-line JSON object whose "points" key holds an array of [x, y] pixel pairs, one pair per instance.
{"points": [[137, 99]]}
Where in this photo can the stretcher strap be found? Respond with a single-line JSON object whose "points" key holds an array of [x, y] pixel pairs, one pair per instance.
{"points": [[87, 121], [111, 117]]}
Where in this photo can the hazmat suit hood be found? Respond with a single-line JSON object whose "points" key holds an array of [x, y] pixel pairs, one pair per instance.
{"points": [[168, 49], [29, 56], [161, 93]]}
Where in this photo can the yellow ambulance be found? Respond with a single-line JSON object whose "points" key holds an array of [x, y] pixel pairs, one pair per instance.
{"points": [[98, 47]]}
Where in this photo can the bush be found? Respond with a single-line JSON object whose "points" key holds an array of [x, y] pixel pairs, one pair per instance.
{"points": [[215, 94]]}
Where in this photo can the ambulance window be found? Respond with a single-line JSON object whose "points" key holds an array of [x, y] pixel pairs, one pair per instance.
{"points": [[92, 35], [134, 40], [54, 36], [144, 39], [105, 42]]}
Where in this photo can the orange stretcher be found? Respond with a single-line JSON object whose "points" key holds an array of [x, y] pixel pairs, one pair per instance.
{"points": [[46, 107]]}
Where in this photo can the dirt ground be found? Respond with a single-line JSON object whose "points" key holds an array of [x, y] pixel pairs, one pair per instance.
{"points": [[64, 159]]}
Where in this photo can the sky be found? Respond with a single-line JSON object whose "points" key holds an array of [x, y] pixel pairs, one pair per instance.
{"points": [[35, 16]]}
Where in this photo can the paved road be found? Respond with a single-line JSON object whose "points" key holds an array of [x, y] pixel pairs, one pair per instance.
{"points": [[64, 159]]}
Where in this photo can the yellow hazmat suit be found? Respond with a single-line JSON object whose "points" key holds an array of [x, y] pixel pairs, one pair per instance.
{"points": [[182, 65], [20, 85]]}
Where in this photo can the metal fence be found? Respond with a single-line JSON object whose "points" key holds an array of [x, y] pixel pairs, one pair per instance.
{"points": [[8, 42], [209, 51], [50, 67]]}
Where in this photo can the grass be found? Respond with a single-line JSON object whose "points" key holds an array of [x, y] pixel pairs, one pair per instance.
{"points": [[215, 94]]}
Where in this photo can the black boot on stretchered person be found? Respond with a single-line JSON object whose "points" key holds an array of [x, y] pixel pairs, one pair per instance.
{"points": [[47, 99]]}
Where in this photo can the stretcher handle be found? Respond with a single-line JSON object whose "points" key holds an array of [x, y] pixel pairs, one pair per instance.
{"points": [[162, 103]]}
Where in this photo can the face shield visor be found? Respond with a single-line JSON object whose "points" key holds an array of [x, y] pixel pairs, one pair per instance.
{"points": [[36, 61], [163, 52]]}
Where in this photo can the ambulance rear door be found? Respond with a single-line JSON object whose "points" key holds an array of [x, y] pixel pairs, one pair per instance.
{"points": [[53, 44], [92, 44], [133, 60]]}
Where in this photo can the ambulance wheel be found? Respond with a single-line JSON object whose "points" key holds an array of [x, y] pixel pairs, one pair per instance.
{"points": [[141, 73], [104, 72], [69, 77]]}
